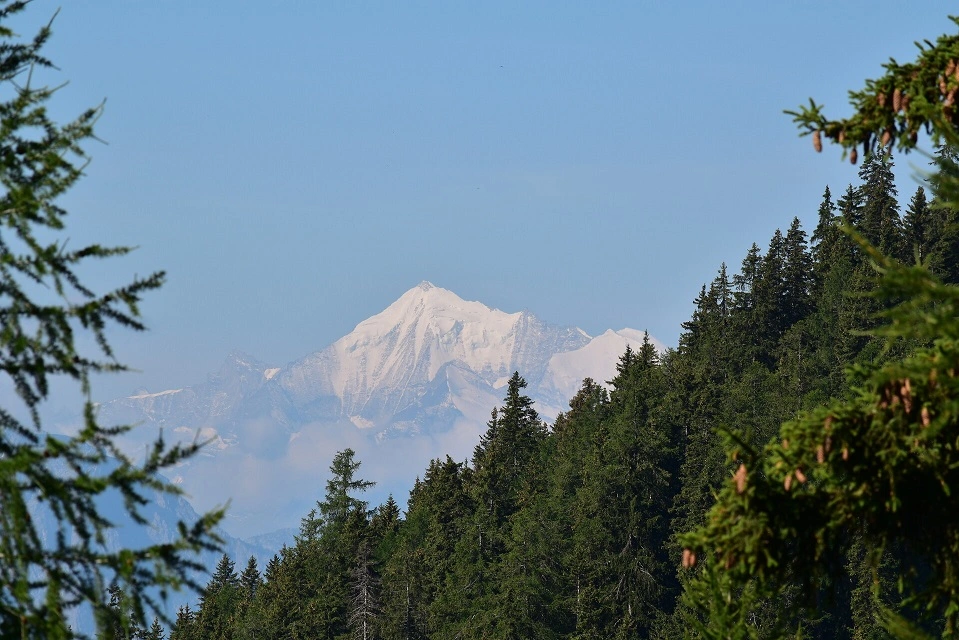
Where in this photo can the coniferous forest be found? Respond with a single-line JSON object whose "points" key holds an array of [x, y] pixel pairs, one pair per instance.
{"points": [[789, 470], [580, 529]]}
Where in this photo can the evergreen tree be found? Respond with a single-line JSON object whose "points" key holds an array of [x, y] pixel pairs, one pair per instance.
{"points": [[769, 318], [155, 632], [503, 467], [184, 627], [365, 587], [386, 520], [219, 602], [322, 566], [249, 581], [881, 225], [701, 371], [55, 327], [850, 207], [920, 234], [340, 501], [505, 451], [944, 223], [826, 234], [797, 276], [426, 580], [124, 626]]}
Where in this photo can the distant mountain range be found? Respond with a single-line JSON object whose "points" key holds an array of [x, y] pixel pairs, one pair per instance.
{"points": [[417, 380]]}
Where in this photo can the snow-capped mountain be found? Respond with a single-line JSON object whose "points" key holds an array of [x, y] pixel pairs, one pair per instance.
{"points": [[420, 378], [398, 362]]}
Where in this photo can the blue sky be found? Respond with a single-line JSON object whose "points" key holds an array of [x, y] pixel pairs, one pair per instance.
{"points": [[296, 166]]}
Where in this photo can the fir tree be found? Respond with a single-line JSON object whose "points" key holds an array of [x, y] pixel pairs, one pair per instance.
{"points": [[920, 234]]}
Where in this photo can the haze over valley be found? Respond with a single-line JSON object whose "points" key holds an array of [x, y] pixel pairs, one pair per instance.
{"points": [[411, 383]]}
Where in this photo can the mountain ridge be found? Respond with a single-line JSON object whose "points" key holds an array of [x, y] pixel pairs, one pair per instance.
{"points": [[427, 371]]}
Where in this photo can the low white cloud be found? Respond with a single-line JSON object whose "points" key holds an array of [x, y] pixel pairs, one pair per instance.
{"points": [[273, 491]]}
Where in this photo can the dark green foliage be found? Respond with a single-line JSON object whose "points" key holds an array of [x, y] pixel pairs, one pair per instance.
{"points": [[505, 452], [892, 109], [47, 314], [155, 632], [249, 581], [219, 602], [184, 627], [124, 625], [879, 467], [575, 531], [880, 225], [920, 229]]}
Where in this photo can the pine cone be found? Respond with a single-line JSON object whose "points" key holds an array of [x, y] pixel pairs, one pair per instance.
{"points": [[817, 141], [881, 99], [897, 100], [950, 67], [740, 478], [853, 156], [886, 137]]}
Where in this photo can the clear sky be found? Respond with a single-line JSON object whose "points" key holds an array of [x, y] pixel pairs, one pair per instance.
{"points": [[296, 166]]}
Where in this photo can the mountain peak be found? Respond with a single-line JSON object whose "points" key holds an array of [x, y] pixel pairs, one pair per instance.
{"points": [[426, 299]]}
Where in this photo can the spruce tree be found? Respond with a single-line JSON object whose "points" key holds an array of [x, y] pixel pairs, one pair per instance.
{"points": [[881, 225], [249, 581], [944, 223], [428, 578], [826, 233], [155, 631], [219, 602], [184, 626], [920, 235], [769, 317], [504, 453], [504, 464], [797, 276]]}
